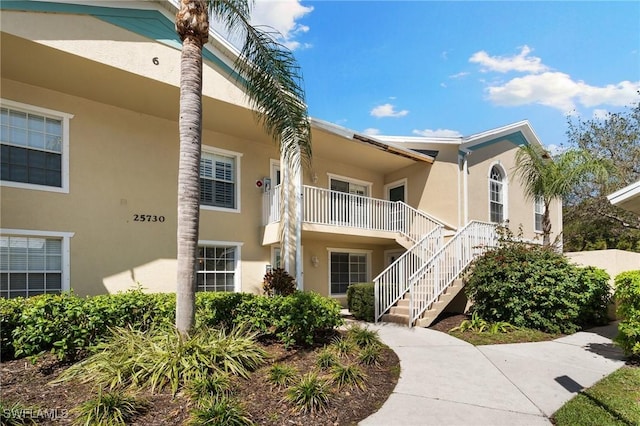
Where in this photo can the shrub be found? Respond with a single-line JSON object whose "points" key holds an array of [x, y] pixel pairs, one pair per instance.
{"points": [[535, 287], [16, 414], [10, 311], [627, 295], [361, 301], [298, 319], [310, 394], [362, 336], [278, 282], [343, 346], [326, 359], [350, 376], [220, 411], [109, 408], [158, 359], [370, 355], [281, 374], [210, 386], [218, 309], [65, 323]]}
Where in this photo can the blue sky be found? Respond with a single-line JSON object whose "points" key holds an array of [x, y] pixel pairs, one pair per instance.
{"points": [[450, 68]]}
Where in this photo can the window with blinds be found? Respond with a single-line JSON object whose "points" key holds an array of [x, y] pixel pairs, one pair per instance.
{"points": [[31, 148], [30, 266], [218, 180]]}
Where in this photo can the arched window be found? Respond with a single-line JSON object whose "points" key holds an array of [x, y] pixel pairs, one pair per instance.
{"points": [[496, 195]]}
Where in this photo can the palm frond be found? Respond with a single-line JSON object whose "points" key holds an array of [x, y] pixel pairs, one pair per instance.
{"points": [[272, 79]]}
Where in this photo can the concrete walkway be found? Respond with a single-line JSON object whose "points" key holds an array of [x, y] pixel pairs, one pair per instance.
{"points": [[446, 381]]}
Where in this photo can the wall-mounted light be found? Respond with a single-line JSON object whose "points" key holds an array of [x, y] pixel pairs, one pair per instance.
{"points": [[314, 178], [315, 261]]}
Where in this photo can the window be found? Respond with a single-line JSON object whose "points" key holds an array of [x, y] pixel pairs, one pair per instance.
{"points": [[218, 268], [219, 175], [34, 144], [538, 211], [347, 268], [32, 265], [496, 195]]}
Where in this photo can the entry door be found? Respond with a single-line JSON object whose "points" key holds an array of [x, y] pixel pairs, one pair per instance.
{"points": [[396, 193], [349, 211]]}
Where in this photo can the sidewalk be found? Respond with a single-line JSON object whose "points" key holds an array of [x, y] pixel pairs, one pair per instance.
{"points": [[446, 381]]}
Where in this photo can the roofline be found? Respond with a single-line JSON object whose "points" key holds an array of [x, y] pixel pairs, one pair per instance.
{"points": [[625, 194], [492, 135], [369, 140], [450, 140]]}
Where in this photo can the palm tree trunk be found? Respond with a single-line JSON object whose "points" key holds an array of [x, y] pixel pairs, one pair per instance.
{"points": [[193, 27], [546, 226]]}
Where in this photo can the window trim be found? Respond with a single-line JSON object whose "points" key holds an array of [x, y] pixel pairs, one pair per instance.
{"points": [[66, 248], [505, 192], [535, 212], [237, 287], [237, 156], [64, 117], [350, 251], [273, 165], [367, 184]]}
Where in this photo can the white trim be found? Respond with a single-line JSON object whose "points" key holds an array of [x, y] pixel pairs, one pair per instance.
{"points": [[368, 184], [237, 288], [237, 156], [331, 250], [625, 194], [400, 182], [64, 117], [66, 248], [505, 191]]}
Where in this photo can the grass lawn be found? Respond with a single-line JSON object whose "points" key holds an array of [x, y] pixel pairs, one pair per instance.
{"points": [[514, 336], [615, 400]]}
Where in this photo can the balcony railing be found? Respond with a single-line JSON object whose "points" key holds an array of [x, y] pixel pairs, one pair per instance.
{"points": [[325, 207]]}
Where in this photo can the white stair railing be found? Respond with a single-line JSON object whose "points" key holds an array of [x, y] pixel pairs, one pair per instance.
{"points": [[393, 282], [435, 275]]}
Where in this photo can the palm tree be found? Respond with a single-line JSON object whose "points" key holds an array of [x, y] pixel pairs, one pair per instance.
{"points": [[272, 80], [548, 179]]}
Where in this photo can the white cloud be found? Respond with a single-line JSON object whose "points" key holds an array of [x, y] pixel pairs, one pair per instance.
{"points": [[387, 110], [282, 15], [371, 131], [521, 62], [600, 114], [442, 133], [560, 91], [459, 75]]}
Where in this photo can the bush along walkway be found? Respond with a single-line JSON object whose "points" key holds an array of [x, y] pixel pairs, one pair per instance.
{"points": [[446, 381]]}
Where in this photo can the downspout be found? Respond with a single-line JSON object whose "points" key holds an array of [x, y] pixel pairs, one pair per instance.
{"points": [[465, 183], [297, 176]]}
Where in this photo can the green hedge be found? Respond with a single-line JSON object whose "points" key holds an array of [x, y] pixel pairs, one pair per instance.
{"points": [[537, 288], [298, 319], [361, 301], [627, 295], [66, 324]]}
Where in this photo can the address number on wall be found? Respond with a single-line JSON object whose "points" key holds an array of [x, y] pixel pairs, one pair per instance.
{"points": [[147, 218]]}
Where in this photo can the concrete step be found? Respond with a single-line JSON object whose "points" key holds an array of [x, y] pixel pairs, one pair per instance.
{"points": [[438, 306], [395, 318], [400, 310]]}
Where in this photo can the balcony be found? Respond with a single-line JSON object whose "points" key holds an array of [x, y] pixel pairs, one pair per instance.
{"points": [[336, 212]]}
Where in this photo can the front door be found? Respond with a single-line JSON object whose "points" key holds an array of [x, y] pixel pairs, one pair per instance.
{"points": [[397, 193]]}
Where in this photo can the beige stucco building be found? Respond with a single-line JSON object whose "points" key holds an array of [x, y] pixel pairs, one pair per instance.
{"points": [[90, 154]]}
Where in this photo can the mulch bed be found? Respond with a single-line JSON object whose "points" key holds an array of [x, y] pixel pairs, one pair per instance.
{"points": [[447, 321], [29, 384]]}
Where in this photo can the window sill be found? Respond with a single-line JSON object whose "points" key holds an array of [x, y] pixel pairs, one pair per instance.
{"points": [[219, 209], [33, 187]]}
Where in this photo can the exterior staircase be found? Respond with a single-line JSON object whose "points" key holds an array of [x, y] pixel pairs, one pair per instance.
{"points": [[420, 284]]}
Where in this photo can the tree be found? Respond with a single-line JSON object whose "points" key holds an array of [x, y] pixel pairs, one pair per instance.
{"points": [[591, 222], [548, 179], [271, 78]]}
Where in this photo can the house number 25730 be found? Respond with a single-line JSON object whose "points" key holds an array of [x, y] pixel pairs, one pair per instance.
{"points": [[147, 218]]}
